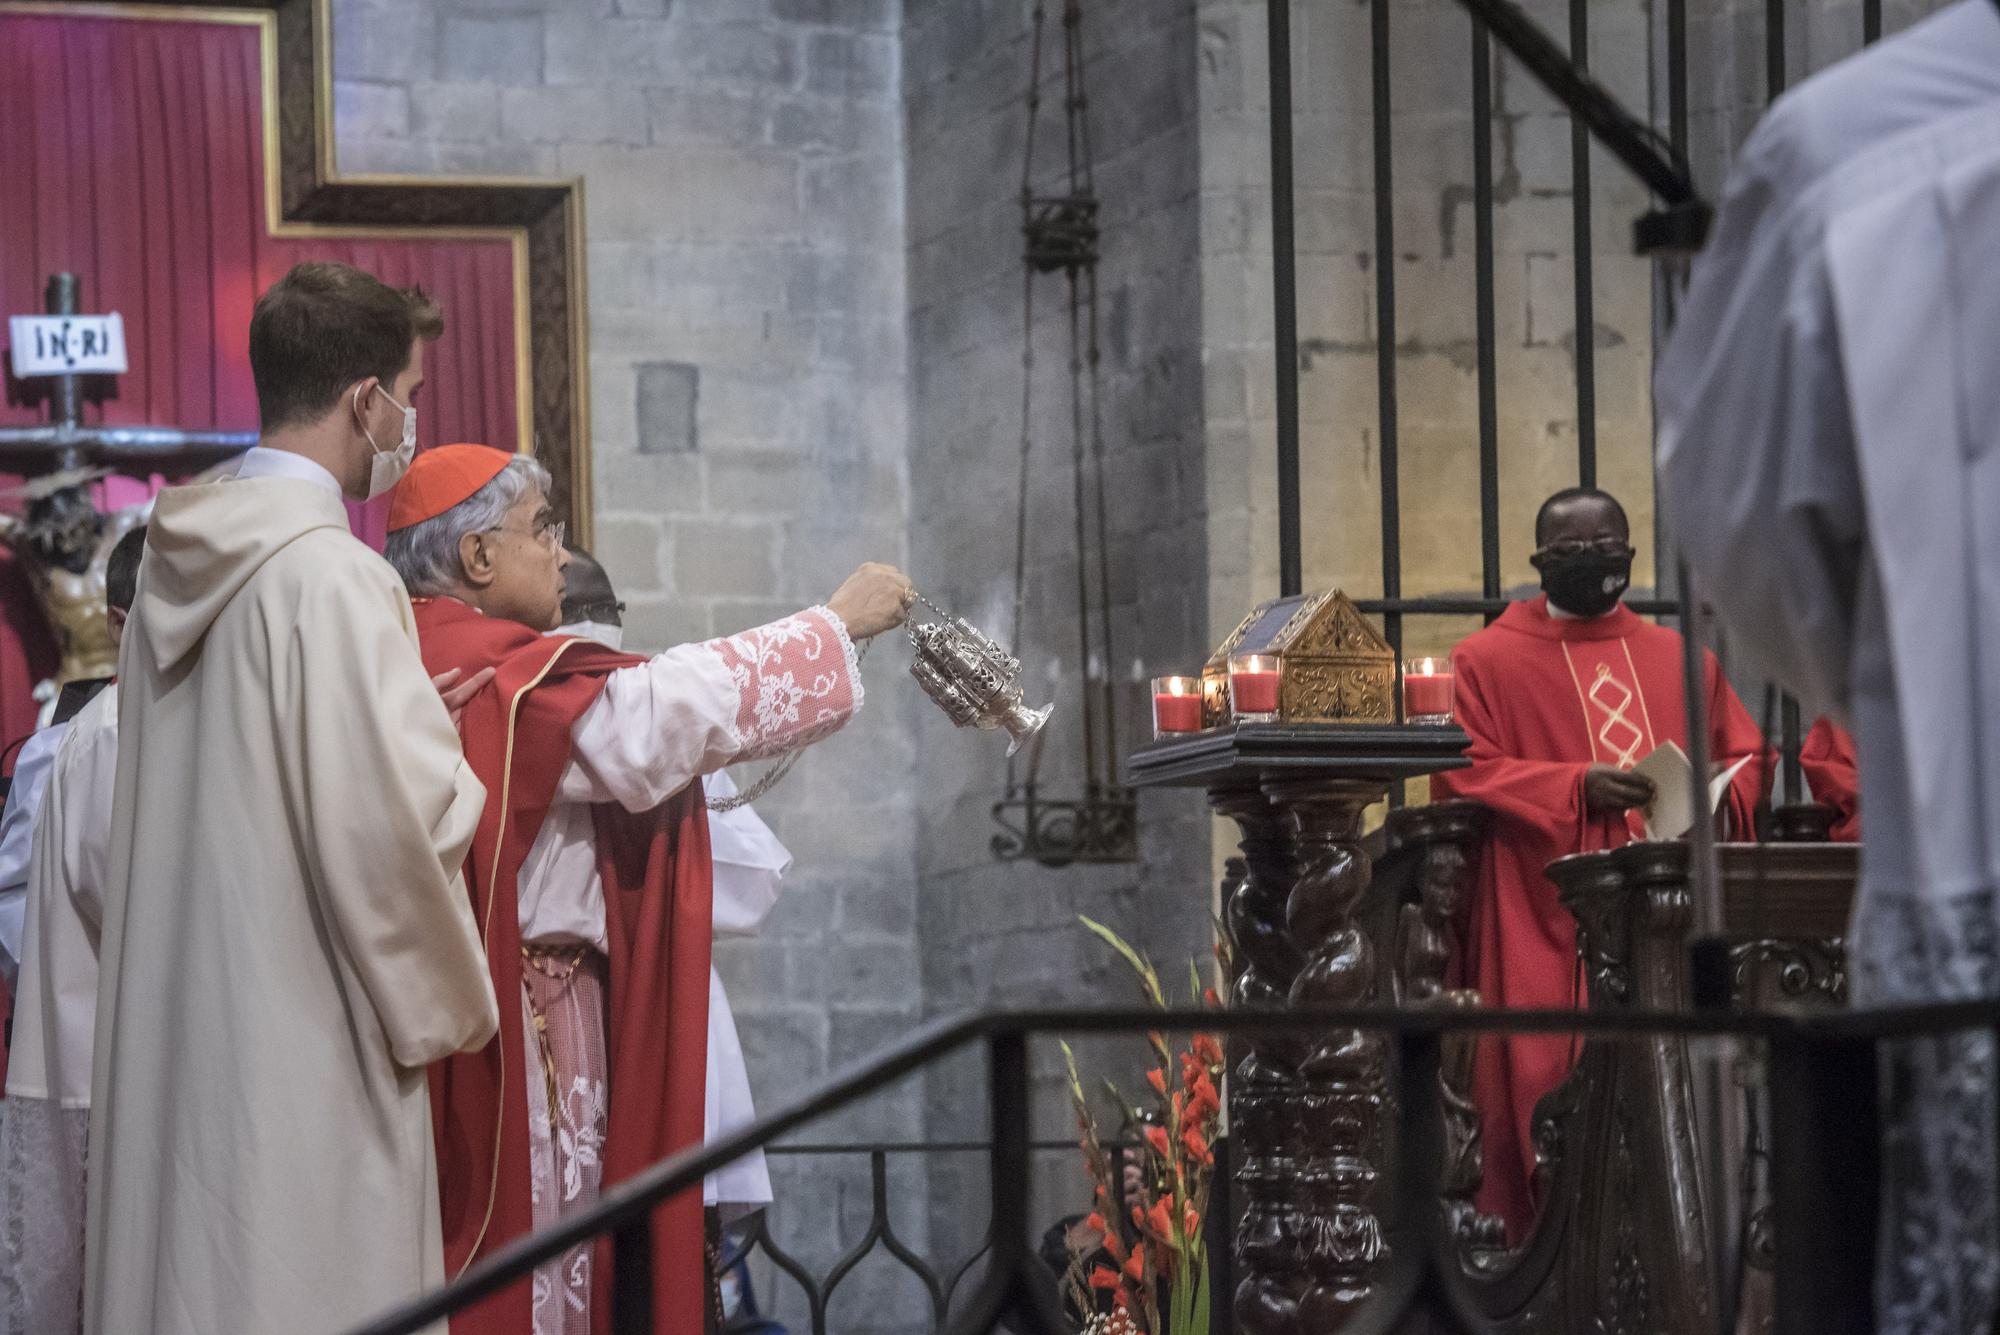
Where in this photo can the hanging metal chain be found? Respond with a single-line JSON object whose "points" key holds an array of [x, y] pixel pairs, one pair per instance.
{"points": [[770, 778], [1061, 235]]}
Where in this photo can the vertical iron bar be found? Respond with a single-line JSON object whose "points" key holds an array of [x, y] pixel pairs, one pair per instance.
{"points": [[1285, 298], [632, 1278], [1716, 1167], [1090, 669], [1677, 77], [1825, 1183], [1585, 351], [1669, 273], [1871, 21], [1381, 114], [1218, 1232], [1792, 734], [1008, 1060], [1774, 48], [1489, 412], [1385, 320]]}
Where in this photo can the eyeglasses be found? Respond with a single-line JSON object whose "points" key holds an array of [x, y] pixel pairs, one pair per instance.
{"points": [[591, 611], [549, 535], [1601, 546]]}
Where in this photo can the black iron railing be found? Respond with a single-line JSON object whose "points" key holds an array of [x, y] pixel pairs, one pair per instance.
{"points": [[940, 1286], [1823, 1147]]}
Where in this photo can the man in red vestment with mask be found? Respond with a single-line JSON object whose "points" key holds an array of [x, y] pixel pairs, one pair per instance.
{"points": [[590, 875], [1562, 696]]}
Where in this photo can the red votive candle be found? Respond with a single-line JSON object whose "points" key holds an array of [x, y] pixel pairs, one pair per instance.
{"points": [[1428, 684], [1176, 705], [1253, 687]]}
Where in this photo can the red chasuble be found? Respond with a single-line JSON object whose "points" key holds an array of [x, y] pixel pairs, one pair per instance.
{"points": [[1827, 757], [659, 923], [1543, 700]]}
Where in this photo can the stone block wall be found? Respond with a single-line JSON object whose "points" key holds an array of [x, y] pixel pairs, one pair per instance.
{"points": [[742, 166], [1007, 934]]}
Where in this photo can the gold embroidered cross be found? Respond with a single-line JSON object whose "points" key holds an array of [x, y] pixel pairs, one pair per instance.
{"points": [[1608, 688]]}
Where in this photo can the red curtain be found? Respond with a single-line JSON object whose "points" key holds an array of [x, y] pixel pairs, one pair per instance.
{"points": [[132, 154]]}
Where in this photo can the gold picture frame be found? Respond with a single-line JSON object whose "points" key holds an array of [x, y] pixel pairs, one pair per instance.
{"points": [[307, 195]]}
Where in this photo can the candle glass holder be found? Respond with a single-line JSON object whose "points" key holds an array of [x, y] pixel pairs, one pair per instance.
{"points": [[1176, 705], [1429, 689], [1253, 687]]}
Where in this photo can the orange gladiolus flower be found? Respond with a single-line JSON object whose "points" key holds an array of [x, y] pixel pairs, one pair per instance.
{"points": [[1138, 1218], [1135, 1264], [1157, 1079], [1094, 1222], [1208, 996], [1114, 1245], [1101, 1278], [1192, 1220], [1161, 1219], [1206, 1048], [1203, 1100], [1197, 1147], [1156, 1136]]}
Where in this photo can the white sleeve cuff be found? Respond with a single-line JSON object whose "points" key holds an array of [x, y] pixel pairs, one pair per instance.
{"points": [[847, 651]]}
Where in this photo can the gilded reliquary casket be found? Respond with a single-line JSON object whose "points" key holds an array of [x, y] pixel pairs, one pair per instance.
{"points": [[1334, 666]]}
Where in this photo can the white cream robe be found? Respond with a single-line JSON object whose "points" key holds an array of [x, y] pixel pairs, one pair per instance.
{"points": [[44, 1137], [1830, 461], [285, 943]]}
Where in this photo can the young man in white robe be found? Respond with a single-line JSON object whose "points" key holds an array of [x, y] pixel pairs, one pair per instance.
{"points": [[605, 955], [285, 946], [1830, 431], [44, 1137]]}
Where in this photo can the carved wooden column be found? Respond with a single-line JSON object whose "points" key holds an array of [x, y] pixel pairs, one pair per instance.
{"points": [[1307, 1117], [1345, 1075], [1264, 1087], [1640, 1258]]}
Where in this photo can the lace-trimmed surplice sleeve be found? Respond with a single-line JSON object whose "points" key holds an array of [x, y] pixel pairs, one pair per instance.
{"points": [[696, 708]]}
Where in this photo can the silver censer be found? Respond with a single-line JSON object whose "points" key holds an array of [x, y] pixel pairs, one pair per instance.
{"points": [[971, 678]]}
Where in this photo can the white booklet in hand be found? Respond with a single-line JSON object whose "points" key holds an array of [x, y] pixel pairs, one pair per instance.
{"points": [[1671, 812]]}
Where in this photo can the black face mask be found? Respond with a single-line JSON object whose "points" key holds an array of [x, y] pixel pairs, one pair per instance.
{"points": [[1588, 584]]}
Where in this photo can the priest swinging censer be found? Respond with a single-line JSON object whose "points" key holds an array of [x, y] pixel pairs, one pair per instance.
{"points": [[973, 680]]}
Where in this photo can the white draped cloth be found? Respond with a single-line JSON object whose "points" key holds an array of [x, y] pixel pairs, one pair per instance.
{"points": [[750, 867], [17, 830], [43, 1140], [1830, 463]]}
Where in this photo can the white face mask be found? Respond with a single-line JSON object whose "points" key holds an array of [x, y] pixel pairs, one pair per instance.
{"points": [[386, 469], [606, 634]]}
